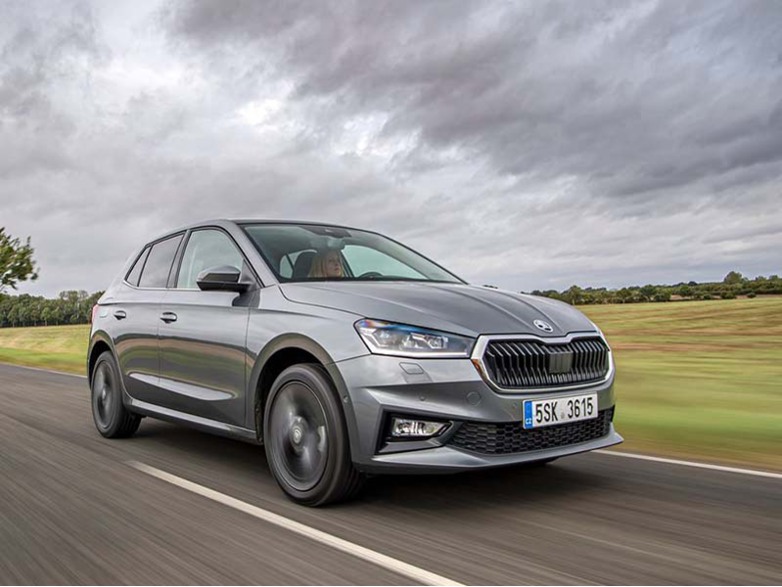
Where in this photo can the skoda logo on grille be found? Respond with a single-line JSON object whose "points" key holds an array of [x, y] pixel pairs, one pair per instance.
{"points": [[544, 326]]}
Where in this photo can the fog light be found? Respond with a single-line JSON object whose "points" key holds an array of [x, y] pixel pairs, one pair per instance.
{"points": [[406, 428]]}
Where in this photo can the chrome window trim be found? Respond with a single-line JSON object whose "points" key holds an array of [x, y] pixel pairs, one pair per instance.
{"points": [[178, 261], [483, 341], [149, 245]]}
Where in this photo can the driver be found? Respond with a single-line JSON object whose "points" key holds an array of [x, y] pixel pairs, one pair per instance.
{"points": [[327, 264]]}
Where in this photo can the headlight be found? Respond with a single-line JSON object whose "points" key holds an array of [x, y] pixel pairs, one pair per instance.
{"points": [[386, 338]]}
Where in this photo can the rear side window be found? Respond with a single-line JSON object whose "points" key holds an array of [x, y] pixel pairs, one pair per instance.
{"points": [[135, 272], [159, 261]]}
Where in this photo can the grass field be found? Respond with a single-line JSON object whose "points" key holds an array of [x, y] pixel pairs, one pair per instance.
{"points": [[699, 379], [696, 380], [63, 348]]}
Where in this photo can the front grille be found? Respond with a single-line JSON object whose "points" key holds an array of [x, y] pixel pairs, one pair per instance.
{"points": [[511, 437], [516, 364]]}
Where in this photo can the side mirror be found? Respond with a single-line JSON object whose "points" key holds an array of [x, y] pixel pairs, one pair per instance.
{"points": [[223, 278]]}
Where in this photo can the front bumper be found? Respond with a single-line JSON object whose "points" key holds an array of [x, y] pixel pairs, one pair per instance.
{"points": [[377, 387]]}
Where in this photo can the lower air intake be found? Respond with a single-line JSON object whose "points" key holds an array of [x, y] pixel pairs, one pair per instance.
{"points": [[511, 437]]}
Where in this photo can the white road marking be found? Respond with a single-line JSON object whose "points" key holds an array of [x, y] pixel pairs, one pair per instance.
{"points": [[630, 455], [392, 564], [44, 370]]}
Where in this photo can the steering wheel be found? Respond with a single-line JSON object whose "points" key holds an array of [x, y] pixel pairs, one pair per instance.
{"points": [[370, 275]]}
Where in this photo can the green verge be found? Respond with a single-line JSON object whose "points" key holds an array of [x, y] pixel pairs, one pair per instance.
{"points": [[62, 348], [699, 380]]}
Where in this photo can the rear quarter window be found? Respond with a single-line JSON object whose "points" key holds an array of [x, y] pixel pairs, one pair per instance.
{"points": [[135, 272], [159, 261]]}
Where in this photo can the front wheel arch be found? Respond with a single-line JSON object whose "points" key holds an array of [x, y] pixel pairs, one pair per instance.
{"points": [[339, 480], [279, 354]]}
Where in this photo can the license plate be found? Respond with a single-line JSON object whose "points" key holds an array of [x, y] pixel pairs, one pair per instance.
{"points": [[548, 412]]}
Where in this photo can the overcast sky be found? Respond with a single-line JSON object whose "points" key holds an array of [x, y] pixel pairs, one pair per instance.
{"points": [[524, 144]]}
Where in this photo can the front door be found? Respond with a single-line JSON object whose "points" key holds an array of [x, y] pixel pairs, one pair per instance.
{"points": [[203, 335]]}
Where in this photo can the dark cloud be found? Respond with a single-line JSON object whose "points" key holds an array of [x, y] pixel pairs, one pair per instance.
{"points": [[628, 97], [526, 144]]}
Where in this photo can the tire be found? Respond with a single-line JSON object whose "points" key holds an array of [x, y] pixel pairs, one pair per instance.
{"points": [[112, 419], [306, 439]]}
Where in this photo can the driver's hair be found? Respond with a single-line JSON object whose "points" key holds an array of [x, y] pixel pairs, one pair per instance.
{"points": [[318, 267]]}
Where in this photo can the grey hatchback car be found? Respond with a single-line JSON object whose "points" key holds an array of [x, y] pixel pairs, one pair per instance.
{"points": [[344, 353]]}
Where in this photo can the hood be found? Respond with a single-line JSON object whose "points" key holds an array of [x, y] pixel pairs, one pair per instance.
{"points": [[458, 308]]}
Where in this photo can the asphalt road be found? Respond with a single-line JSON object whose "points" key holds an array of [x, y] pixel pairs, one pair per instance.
{"points": [[73, 511]]}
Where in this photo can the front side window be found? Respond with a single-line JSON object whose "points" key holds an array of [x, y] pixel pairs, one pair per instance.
{"points": [[206, 249], [302, 252], [159, 261]]}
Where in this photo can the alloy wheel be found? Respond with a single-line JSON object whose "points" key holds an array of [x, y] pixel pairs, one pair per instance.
{"points": [[103, 394], [299, 435]]}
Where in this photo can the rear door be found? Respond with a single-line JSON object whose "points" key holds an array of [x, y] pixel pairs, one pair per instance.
{"points": [[135, 313], [203, 334]]}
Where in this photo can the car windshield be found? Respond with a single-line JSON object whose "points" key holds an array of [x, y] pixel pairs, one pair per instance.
{"points": [[303, 252]]}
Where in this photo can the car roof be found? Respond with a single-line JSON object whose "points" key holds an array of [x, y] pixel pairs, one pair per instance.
{"points": [[241, 221], [278, 221]]}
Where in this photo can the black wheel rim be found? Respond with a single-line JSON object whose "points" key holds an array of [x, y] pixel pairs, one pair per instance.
{"points": [[103, 395], [299, 436]]}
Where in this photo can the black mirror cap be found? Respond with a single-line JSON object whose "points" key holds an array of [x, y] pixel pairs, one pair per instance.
{"points": [[223, 278]]}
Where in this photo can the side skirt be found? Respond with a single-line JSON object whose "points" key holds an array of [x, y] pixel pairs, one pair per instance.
{"points": [[205, 424]]}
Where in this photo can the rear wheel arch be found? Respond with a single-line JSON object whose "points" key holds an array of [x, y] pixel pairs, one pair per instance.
{"points": [[98, 346], [111, 417]]}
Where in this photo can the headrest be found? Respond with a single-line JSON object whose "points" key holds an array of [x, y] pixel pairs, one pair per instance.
{"points": [[303, 264]]}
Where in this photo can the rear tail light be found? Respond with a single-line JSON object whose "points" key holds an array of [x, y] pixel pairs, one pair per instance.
{"points": [[94, 313]]}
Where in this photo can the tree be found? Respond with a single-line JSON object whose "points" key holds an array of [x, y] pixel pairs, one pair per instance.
{"points": [[47, 315], [23, 312], [685, 291], [13, 315], [733, 278], [624, 295], [647, 292], [16, 261], [574, 295]]}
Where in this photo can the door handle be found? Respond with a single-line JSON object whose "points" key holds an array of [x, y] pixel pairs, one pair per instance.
{"points": [[168, 317], [120, 314]]}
